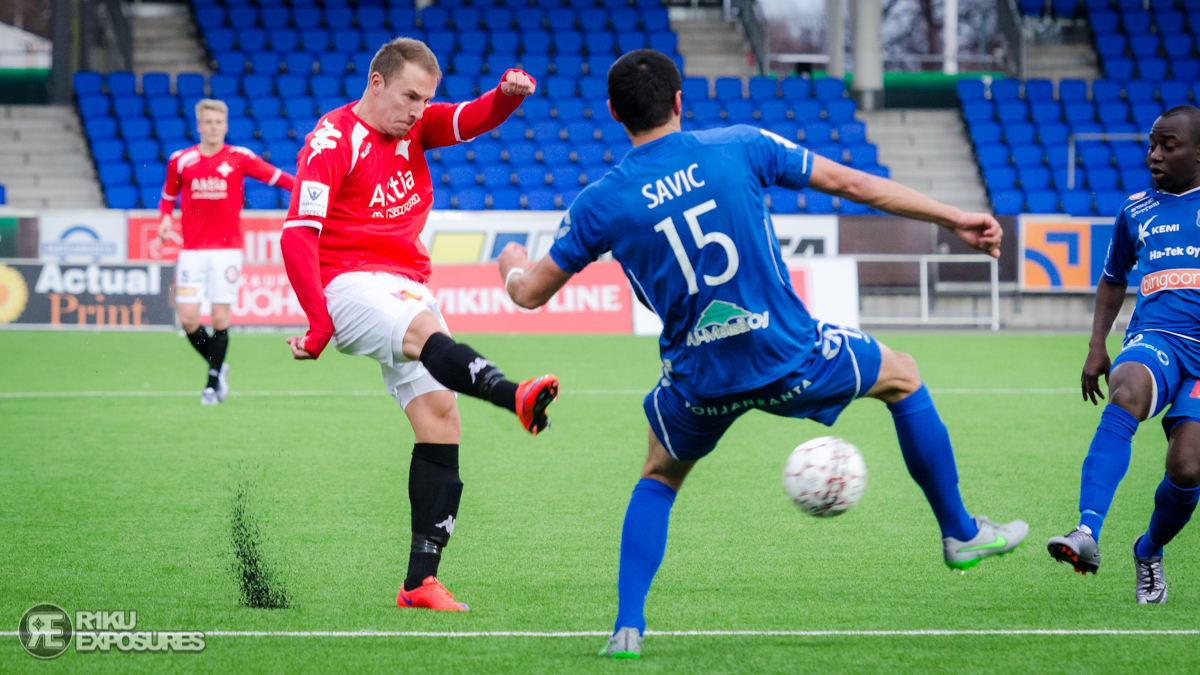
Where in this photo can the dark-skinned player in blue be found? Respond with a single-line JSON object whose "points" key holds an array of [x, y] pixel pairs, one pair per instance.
{"points": [[684, 215], [1159, 231]]}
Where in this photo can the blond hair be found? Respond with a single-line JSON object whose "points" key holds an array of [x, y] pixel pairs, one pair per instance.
{"points": [[212, 104], [392, 56]]}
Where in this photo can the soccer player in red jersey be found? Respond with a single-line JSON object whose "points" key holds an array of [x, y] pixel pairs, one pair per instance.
{"points": [[207, 178], [353, 257]]}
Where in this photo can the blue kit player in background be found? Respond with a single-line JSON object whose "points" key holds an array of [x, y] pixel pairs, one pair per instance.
{"points": [[1159, 231], [684, 215]]}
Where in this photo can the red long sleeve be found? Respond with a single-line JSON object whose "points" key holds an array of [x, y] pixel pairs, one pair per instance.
{"points": [[447, 124], [301, 259]]}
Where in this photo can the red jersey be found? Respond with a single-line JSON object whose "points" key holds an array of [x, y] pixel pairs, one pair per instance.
{"points": [[210, 191], [368, 194]]}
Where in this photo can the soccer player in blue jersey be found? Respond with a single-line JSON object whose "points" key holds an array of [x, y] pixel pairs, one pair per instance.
{"points": [[1159, 363], [684, 215]]}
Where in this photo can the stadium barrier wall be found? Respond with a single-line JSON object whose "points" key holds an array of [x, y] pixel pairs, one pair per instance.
{"points": [[50, 294], [463, 247], [1060, 253]]}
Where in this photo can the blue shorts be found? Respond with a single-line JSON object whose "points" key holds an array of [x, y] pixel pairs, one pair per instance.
{"points": [[844, 366], [1174, 362]]}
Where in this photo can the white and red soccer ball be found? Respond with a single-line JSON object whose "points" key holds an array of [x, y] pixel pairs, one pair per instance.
{"points": [[825, 477]]}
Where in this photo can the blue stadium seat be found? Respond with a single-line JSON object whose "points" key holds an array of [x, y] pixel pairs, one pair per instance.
{"points": [[521, 153], [300, 106], [249, 40], [1136, 22], [169, 129], [764, 89], [1130, 155], [512, 130], [986, 132], [1042, 201], [156, 84], [243, 17], [338, 17], [163, 106], [624, 19], [87, 83], [740, 111], [568, 41], [1152, 68], [1106, 90], [1117, 111], [1093, 155], [728, 88], [278, 17], [817, 202], [314, 40], [546, 131], [434, 17], [796, 88], [1006, 90], [485, 152], [472, 41], [1046, 111], [531, 176], [505, 41], [100, 128], [569, 65], [189, 85], [1027, 155], [840, 110], [347, 41], [1076, 202], [541, 199], [980, 111], [817, 133], [599, 42], [1173, 93], [114, 173], [630, 40], [666, 42], [1012, 111], [399, 18], [1080, 112], [150, 196], [783, 200], [152, 174], [1033, 177], [772, 111], [1135, 179], [1072, 90], [1144, 114], [233, 63], [1144, 45], [265, 63], [129, 106], [324, 86], [1007, 202], [695, 88], [826, 88], [1000, 178], [537, 65], [1019, 133], [593, 20], [288, 86], [864, 154], [259, 196], [1185, 69], [596, 171], [224, 85], [94, 106], [1108, 202], [589, 152], [1102, 178], [106, 151], [273, 129], [560, 86], [992, 155], [506, 199], [598, 64], [1118, 68], [567, 177], [791, 130], [570, 110], [121, 196], [1039, 90], [592, 86], [970, 90], [212, 17], [470, 199], [333, 63], [1103, 22], [283, 39], [556, 153], [808, 110]]}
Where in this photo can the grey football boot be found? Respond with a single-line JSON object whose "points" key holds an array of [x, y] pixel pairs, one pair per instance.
{"points": [[994, 539], [209, 397], [1077, 548], [223, 383], [626, 643], [1151, 584]]}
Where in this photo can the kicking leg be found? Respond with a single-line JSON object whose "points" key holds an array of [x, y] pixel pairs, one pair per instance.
{"points": [[929, 456], [462, 369], [1131, 400], [434, 491], [189, 318], [643, 544], [1174, 502]]}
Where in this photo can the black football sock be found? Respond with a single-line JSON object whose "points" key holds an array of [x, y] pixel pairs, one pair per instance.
{"points": [[216, 354], [460, 368], [434, 491], [199, 340]]}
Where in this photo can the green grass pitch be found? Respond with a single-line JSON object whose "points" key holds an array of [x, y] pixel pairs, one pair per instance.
{"points": [[124, 503]]}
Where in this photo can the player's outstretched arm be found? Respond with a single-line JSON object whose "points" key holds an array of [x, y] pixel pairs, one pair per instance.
{"points": [[447, 124], [530, 288], [980, 231], [260, 169], [1109, 299]]}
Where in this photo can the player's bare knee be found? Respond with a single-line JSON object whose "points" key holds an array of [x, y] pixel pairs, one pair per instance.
{"points": [[1132, 399], [1183, 455], [898, 378]]}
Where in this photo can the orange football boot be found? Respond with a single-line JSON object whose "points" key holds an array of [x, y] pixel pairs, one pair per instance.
{"points": [[532, 398], [431, 594]]}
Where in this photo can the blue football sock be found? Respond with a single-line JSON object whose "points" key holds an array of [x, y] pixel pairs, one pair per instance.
{"points": [[643, 543], [925, 444], [1105, 465], [1173, 508]]}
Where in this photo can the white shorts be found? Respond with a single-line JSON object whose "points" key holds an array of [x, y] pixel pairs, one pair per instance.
{"points": [[208, 274], [369, 309]]}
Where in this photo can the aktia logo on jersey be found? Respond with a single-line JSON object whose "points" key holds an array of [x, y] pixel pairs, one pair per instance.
{"points": [[396, 190], [724, 319], [323, 139], [209, 187]]}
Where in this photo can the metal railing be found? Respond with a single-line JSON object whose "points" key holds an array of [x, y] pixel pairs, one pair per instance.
{"points": [[1012, 27], [923, 259], [755, 25], [1093, 136], [122, 31]]}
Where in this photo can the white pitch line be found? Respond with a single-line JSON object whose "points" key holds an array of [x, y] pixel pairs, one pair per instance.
{"points": [[146, 393], [687, 633]]}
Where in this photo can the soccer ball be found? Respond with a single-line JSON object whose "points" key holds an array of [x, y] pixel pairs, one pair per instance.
{"points": [[825, 477]]}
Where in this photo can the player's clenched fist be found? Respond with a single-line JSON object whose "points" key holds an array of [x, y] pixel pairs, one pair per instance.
{"points": [[517, 83]]}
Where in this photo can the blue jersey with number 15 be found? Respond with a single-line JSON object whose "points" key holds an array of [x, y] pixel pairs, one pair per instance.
{"points": [[684, 215]]}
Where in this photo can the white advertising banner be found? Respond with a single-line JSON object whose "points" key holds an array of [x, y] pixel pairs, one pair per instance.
{"points": [[96, 235]]}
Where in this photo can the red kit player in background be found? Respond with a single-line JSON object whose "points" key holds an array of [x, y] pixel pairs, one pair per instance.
{"points": [[353, 257], [208, 180]]}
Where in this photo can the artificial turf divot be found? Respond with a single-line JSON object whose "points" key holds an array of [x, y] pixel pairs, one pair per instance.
{"points": [[260, 582]]}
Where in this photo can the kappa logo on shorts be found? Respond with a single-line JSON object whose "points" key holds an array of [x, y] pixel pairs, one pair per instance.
{"points": [[407, 295], [231, 274]]}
